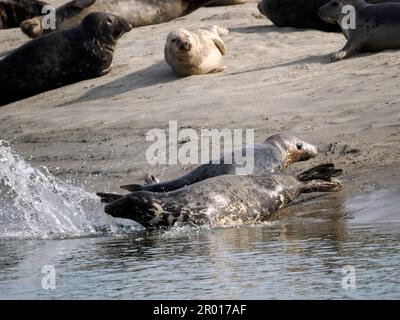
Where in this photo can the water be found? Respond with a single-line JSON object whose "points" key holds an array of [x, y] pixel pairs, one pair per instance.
{"points": [[46, 222]]}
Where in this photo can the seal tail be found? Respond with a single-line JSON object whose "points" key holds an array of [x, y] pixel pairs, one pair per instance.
{"points": [[321, 179], [133, 187], [108, 197]]}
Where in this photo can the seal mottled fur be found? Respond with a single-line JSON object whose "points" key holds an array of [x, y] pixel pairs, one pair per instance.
{"points": [[137, 12], [377, 26], [221, 201], [274, 155]]}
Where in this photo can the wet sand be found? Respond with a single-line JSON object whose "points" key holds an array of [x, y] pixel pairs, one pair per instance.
{"points": [[277, 79]]}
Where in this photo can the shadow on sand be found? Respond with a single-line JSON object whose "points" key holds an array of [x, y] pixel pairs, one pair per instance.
{"points": [[157, 73]]}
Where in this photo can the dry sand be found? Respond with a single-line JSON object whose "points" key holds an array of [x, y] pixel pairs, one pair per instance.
{"points": [[93, 132]]}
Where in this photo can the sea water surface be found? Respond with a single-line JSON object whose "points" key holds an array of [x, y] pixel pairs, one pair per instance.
{"points": [[328, 247]]}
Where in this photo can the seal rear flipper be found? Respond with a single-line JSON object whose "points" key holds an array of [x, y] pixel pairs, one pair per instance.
{"points": [[323, 172], [108, 197], [321, 186]]}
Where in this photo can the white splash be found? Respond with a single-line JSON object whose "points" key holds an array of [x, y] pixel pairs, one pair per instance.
{"points": [[35, 204]]}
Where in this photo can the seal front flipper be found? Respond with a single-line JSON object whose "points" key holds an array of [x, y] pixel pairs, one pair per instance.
{"points": [[322, 172], [320, 179]]}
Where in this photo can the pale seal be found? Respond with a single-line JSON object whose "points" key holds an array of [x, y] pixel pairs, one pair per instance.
{"points": [[61, 58], [377, 26], [221, 201], [196, 52], [274, 155], [13, 12], [137, 12]]}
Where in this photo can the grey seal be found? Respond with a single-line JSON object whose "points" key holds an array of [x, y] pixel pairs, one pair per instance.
{"points": [[274, 155], [222, 201], [377, 26], [196, 52], [137, 12], [300, 13], [61, 58]]}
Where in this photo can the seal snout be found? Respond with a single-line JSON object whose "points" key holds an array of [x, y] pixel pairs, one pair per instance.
{"points": [[183, 44]]}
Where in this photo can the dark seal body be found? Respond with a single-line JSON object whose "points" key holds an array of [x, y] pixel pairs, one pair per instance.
{"points": [[273, 155], [61, 58], [222, 201], [137, 12], [377, 26], [300, 13], [13, 12]]}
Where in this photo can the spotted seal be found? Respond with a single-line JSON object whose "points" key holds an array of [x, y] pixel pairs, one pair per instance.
{"points": [[61, 58], [274, 155], [137, 12], [196, 52], [377, 26], [13, 12], [228, 200]]}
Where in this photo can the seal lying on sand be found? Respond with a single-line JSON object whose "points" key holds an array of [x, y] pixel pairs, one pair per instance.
{"points": [[137, 12], [300, 13], [296, 14], [222, 201], [61, 58], [13, 12], [195, 53], [377, 26], [273, 155]]}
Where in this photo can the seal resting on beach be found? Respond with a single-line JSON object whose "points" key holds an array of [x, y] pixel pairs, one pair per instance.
{"points": [[274, 155], [196, 52], [13, 12], [222, 201], [300, 13], [377, 26], [61, 58], [137, 12]]}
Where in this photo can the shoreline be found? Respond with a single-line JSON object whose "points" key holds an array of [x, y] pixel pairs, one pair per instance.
{"points": [[277, 80]]}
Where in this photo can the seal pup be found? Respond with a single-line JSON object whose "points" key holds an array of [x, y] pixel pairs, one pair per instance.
{"points": [[61, 58], [222, 201], [137, 12], [274, 155], [377, 26], [13, 12], [195, 53]]}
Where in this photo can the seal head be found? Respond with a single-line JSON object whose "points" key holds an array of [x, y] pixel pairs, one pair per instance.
{"points": [[292, 148]]}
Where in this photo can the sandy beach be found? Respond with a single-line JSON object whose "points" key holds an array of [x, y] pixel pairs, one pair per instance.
{"points": [[277, 80]]}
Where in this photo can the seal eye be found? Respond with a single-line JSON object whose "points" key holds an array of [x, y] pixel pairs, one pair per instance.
{"points": [[299, 146], [110, 20]]}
